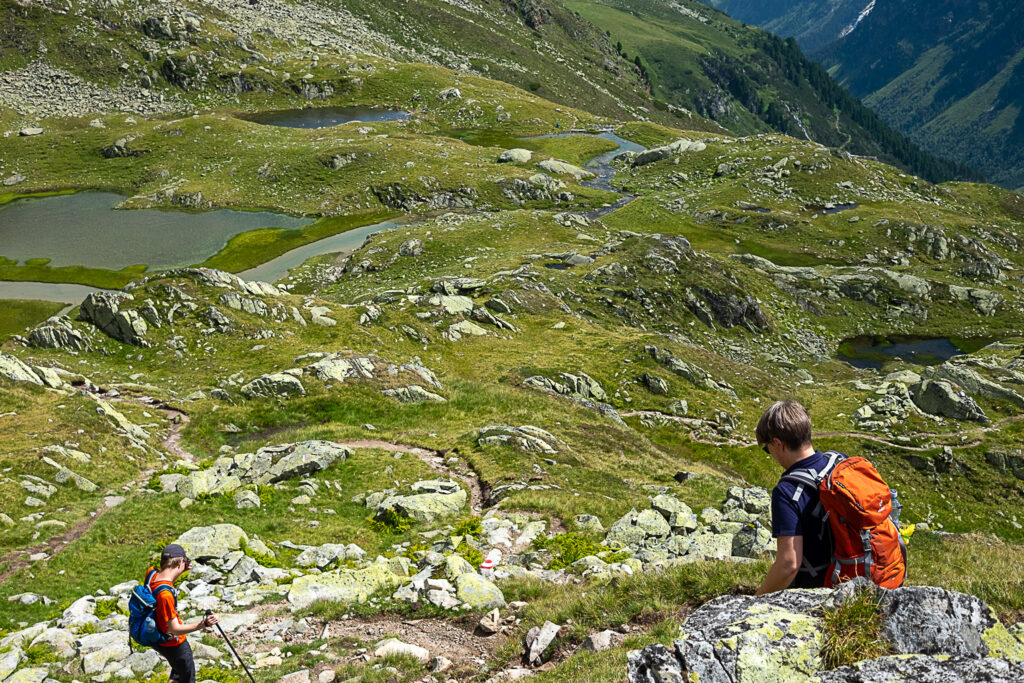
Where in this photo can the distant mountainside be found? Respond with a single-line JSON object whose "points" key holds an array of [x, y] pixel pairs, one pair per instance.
{"points": [[945, 72], [948, 73], [748, 80], [814, 23]]}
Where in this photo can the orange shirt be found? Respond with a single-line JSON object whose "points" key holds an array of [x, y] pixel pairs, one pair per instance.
{"points": [[165, 611]]}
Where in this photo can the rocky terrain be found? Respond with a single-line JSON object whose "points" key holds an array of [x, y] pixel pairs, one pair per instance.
{"points": [[510, 434]]}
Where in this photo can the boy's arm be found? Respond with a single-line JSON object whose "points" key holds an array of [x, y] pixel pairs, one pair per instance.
{"points": [[788, 556], [176, 628]]}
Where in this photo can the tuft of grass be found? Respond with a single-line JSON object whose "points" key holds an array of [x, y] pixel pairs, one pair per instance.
{"points": [[104, 608], [573, 546], [853, 631], [470, 526], [391, 522], [215, 673], [38, 654]]}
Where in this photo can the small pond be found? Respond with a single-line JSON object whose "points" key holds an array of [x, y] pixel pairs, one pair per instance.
{"points": [[85, 229], [831, 208], [873, 352], [325, 117]]}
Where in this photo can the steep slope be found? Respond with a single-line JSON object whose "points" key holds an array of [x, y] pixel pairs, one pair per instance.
{"points": [[749, 80], [814, 23], [953, 78], [947, 74]]}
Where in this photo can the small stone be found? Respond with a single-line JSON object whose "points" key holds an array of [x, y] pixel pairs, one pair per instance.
{"points": [[491, 622]]}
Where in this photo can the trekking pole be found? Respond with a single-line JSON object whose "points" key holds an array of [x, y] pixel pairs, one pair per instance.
{"points": [[233, 651]]}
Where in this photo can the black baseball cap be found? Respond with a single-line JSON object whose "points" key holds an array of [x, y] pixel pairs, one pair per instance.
{"points": [[172, 551]]}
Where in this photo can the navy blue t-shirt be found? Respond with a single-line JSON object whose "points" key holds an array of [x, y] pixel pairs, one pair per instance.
{"points": [[793, 515]]}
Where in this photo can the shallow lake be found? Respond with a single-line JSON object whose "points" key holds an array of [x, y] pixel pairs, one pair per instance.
{"points": [[872, 352], [84, 229], [325, 117]]}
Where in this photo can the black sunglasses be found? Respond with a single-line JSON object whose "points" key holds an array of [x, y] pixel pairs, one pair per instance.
{"points": [[765, 449]]}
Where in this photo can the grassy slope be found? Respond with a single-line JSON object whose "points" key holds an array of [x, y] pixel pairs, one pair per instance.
{"points": [[18, 315]]}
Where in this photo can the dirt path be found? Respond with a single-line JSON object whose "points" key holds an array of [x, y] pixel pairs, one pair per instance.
{"points": [[436, 460], [19, 559]]}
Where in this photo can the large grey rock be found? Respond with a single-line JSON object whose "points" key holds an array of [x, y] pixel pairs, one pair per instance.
{"points": [[342, 585], [677, 513], [939, 397], [278, 384], [302, 459], [526, 438], [974, 383], [517, 155], [477, 592], [103, 309], [666, 151], [751, 541], [733, 639], [212, 542], [562, 168], [413, 394], [58, 333], [323, 555], [14, 369], [443, 498]]}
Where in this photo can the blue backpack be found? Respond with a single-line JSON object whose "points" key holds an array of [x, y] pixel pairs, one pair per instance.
{"points": [[142, 626]]}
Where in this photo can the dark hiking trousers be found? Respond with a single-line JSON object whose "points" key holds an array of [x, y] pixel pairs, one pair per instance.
{"points": [[183, 667]]}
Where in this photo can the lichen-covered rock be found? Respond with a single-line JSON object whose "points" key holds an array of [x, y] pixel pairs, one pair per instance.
{"points": [[430, 501], [207, 483], [927, 669], [516, 155], [478, 592], [302, 459], [939, 635], [342, 585], [933, 621], [677, 513], [754, 500], [325, 554], [751, 540], [212, 542], [58, 333], [276, 384]]}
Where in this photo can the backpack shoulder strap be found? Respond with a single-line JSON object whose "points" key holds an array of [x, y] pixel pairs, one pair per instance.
{"points": [[810, 477]]}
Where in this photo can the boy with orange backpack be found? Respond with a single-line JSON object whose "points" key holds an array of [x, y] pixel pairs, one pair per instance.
{"points": [[832, 515]]}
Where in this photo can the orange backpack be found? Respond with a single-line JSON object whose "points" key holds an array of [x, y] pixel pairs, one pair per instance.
{"points": [[857, 505]]}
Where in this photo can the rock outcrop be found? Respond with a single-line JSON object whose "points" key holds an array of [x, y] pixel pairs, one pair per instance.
{"points": [[931, 632]]}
